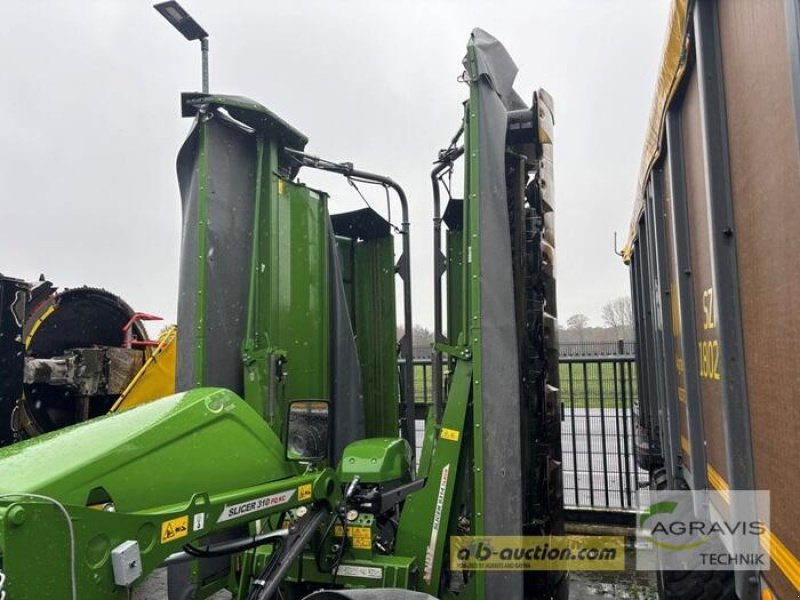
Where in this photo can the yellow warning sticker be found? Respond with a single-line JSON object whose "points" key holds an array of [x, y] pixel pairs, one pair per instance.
{"points": [[361, 537], [304, 492], [174, 529], [450, 434]]}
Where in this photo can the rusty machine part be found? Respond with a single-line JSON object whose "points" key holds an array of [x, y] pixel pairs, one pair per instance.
{"points": [[78, 357]]}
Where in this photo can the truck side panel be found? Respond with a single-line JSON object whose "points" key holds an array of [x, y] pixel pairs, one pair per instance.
{"points": [[671, 303], [765, 181], [744, 133], [705, 328]]}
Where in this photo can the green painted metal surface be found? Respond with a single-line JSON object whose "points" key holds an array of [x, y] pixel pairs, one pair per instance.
{"points": [[346, 247], [375, 318], [376, 460], [428, 439], [288, 322], [247, 111], [427, 519], [36, 542], [147, 457], [369, 284], [472, 289], [174, 470], [455, 483], [377, 571]]}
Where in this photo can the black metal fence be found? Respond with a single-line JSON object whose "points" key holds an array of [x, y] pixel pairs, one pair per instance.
{"points": [[599, 451], [617, 348], [598, 443]]}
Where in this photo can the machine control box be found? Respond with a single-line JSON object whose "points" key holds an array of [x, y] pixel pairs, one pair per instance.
{"points": [[126, 561]]}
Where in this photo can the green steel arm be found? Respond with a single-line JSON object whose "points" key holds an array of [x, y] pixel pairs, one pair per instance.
{"points": [[35, 535]]}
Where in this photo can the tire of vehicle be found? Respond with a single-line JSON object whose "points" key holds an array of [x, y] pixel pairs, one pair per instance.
{"points": [[691, 585], [373, 594]]}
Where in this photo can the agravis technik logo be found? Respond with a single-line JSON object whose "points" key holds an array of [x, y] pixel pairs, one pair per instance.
{"points": [[687, 530]]}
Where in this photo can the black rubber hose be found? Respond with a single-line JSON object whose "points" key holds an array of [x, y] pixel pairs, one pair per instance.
{"points": [[269, 579], [235, 546]]}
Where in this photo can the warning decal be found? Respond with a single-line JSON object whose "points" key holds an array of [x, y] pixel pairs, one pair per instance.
{"points": [[450, 434], [304, 492], [361, 537], [174, 529]]}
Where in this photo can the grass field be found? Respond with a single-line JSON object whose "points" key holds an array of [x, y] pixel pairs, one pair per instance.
{"points": [[583, 385]]}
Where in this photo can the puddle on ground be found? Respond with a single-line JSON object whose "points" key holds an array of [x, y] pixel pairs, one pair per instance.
{"points": [[629, 584]]}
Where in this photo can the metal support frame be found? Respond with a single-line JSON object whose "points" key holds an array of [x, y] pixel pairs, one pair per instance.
{"points": [[735, 410], [651, 295], [403, 270], [446, 159], [637, 324], [204, 58], [648, 398], [636, 310], [684, 281], [672, 447]]}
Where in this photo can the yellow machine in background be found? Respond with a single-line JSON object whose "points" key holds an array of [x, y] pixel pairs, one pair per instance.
{"points": [[156, 378]]}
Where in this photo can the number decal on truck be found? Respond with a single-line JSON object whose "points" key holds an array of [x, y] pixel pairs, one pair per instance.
{"points": [[709, 318], [708, 350], [709, 359]]}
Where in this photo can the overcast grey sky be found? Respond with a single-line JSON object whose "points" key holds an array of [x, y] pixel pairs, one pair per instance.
{"points": [[90, 126]]}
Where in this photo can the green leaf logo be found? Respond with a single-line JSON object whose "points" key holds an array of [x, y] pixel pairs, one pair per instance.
{"points": [[666, 507]]}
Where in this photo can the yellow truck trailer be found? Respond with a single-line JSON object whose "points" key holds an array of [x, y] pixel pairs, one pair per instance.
{"points": [[714, 252]]}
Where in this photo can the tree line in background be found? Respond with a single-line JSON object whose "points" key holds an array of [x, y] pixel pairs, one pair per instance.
{"points": [[617, 317], [616, 314], [422, 335]]}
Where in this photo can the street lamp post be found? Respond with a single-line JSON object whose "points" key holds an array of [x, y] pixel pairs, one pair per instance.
{"points": [[189, 28]]}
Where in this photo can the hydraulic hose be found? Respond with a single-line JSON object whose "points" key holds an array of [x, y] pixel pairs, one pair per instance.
{"points": [[267, 581], [228, 548]]}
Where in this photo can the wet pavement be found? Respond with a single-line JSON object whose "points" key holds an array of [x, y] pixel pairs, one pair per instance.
{"points": [[623, 585], [155, 588]]}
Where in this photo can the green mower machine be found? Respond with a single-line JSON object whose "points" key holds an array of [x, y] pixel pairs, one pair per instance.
{"points": [[286, 466]]}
